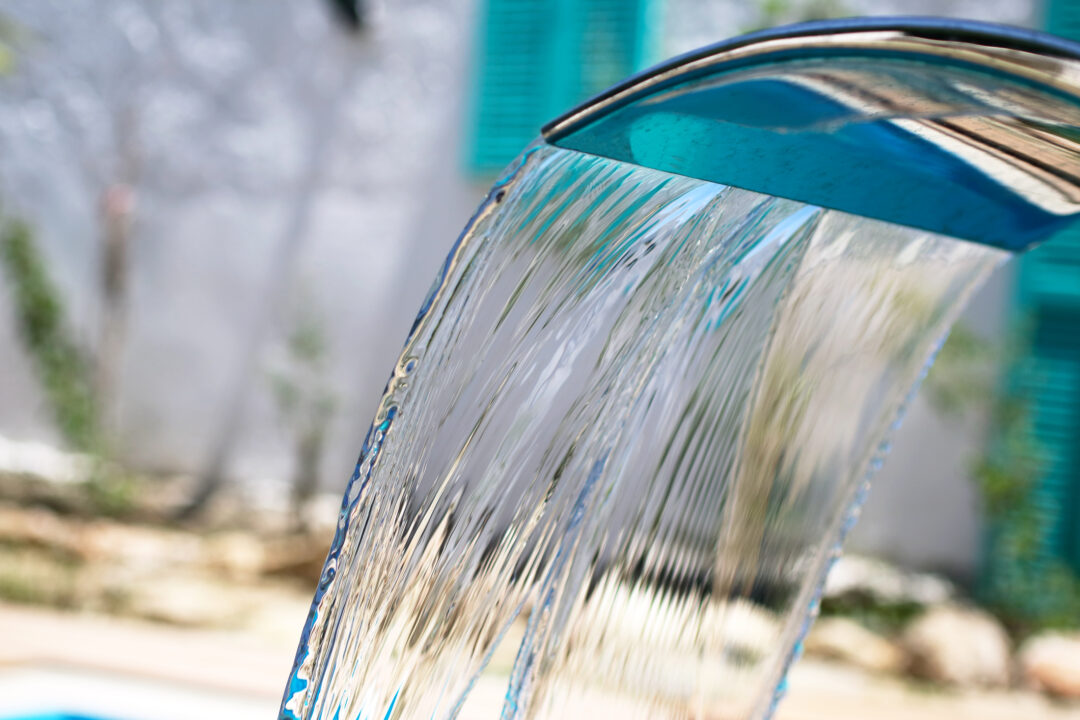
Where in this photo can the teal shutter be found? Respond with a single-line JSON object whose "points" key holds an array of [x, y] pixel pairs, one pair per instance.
{"points": [[538, 58], [1062, 17], [513, 91], [1050, 289], [1052, 386], [1046, 378], [613, 42], [1027, 551]]}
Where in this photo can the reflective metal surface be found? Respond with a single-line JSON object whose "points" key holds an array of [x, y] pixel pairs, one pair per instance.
{"points": [[966, 129]]}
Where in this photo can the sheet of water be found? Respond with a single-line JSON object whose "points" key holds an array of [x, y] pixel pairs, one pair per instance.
{"points": [[624, 440]]}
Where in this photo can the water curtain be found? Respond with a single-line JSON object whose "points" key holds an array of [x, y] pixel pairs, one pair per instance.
{"points": [[639, 409]]}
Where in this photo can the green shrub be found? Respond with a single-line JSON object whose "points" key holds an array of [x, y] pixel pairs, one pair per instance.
{"points": [[64, 371]]}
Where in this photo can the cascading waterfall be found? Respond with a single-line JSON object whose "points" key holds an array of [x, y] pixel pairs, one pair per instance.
{"points": [[623, 441]]}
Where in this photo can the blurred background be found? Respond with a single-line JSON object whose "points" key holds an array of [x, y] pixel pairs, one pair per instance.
{"points": [[217, 221]]}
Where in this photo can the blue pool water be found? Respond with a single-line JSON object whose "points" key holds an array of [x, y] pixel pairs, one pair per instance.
{"points": [[56, 716]]}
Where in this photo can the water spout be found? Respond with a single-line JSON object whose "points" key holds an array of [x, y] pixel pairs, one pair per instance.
{"points": [[639, 409], [960, 128]]}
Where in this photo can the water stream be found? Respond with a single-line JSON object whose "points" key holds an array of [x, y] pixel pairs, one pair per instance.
{"points": [[623, 442]]}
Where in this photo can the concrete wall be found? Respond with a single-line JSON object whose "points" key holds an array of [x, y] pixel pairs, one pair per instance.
{"points": [[223, 103]]}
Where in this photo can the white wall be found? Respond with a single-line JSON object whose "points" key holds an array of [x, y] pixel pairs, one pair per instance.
{"points": [[227, 99]]}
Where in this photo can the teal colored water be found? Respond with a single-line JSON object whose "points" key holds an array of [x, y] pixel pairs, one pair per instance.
{"points": [[621, 446]]}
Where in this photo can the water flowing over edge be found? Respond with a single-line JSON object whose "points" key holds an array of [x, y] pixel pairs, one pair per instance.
{"points": [[801, 222]]}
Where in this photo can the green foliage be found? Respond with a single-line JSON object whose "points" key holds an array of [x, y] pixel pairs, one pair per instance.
{"points": [[887, 618], [1024, 587], [962, 376], [111, 491], [7, 53], [783, 12], [63, 370], [300, 391], [1006, 475], [38, 576], [305, 400]]}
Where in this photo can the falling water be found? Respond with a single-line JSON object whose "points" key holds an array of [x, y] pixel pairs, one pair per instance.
{"points": [[627, 433]]}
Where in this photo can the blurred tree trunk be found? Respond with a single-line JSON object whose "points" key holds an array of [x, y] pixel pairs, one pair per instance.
{"points": [[117, 217], [117, 209], [309, 453], [325, 118]]}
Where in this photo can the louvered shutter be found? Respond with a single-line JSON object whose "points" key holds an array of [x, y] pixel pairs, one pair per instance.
{"points": [[1050, 290], [1048, 379], [513, 85], [1053, 389], [539, 58], [613, 41], [1062, 17]]}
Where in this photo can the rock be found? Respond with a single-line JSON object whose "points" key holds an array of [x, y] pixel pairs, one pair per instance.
{"points": [[37, 527], [36, 576], [299, 556], [958, 645], [277, 611], [1051, 663], [42, 461], [238, 555], [847, 641], [321, 514], [885, 583], [188, 600], [745, 626], [141, 548]]}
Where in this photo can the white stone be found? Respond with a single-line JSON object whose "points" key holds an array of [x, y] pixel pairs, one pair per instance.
{"points": [[42, 461], [188, 600], [1051, 662], [960, 646], [846, 640], [878, 579], [238, 555]]}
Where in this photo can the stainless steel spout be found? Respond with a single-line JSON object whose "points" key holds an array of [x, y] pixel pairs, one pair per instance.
{"points": [[967, 129]]}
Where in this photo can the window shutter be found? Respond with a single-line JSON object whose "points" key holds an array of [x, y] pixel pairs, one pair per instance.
{"points": [[613, 42], [1050, 292], [513, 85], [539, 58], [1048, 378], [1053, 387], [1063, 18]]}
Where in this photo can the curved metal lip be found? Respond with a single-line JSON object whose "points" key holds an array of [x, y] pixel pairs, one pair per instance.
{"points": [[973, 42]]}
